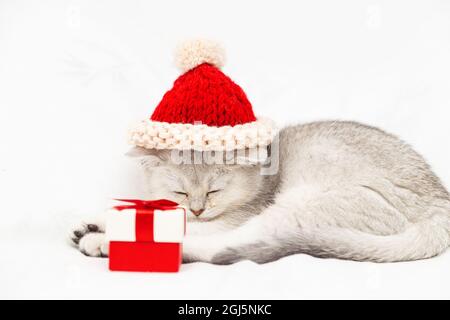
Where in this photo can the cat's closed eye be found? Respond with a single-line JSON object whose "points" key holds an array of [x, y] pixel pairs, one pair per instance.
{"points": [[181, 193], [212, 192]]}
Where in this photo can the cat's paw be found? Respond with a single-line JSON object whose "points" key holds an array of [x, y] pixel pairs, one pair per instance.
{"points": [[94, 245], [78, 232], [90, 239]]}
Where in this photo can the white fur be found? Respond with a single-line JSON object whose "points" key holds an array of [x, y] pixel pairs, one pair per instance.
{"points": [[192, 53]]}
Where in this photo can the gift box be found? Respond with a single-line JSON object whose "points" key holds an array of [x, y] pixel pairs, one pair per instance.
{"points": [[146, 236]]}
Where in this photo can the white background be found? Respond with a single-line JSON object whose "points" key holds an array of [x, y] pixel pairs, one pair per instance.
{"points": [[74, 75]]}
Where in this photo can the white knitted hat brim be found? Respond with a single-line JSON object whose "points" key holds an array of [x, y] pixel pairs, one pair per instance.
{"points": [[200, 137]]}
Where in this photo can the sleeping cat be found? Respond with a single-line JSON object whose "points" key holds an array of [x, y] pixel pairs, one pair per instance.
{"points": [[342, 190]]}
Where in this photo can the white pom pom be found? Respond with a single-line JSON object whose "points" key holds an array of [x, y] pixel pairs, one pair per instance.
{"points": [[195, 52]]}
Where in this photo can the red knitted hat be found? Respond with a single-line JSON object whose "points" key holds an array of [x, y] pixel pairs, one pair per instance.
{"points": [[205, 110]]}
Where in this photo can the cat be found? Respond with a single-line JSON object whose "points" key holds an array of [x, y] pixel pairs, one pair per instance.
{"points": [[342, 190]]}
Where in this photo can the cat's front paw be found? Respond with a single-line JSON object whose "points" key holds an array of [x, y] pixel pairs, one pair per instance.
{"points": [[77, 233], [90, 239], [94, 245]]}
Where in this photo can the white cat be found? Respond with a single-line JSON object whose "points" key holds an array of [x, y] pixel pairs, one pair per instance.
{"points": [[343, 190]]}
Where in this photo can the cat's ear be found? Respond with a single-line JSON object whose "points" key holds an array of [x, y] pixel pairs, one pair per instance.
{"points": [[149, 158]]}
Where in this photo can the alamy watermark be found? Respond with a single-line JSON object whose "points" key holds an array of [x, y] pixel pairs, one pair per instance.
{"points": [[266, 157]]}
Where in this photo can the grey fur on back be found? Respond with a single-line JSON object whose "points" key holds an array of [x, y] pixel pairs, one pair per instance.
{"points": [[356, 193]]}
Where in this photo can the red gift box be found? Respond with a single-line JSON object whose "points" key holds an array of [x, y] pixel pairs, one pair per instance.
{"points": [[146, 236]]}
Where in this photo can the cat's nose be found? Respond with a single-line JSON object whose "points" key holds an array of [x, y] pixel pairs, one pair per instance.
{"points": [[197, 212]]}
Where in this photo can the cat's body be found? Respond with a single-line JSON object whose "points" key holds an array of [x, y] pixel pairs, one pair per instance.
{"points": [[342, 190]]}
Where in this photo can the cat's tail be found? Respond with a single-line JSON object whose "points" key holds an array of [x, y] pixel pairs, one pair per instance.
{"points": [[421, 240]]}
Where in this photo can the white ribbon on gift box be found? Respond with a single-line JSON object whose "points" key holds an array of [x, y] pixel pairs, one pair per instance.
{"points": [[168, 225]]}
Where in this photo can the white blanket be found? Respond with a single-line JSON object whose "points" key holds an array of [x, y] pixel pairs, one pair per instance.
{"points": [[41, 265]]}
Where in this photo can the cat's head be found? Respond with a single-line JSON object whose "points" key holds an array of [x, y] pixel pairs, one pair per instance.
{"points": [[207, 190]]}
